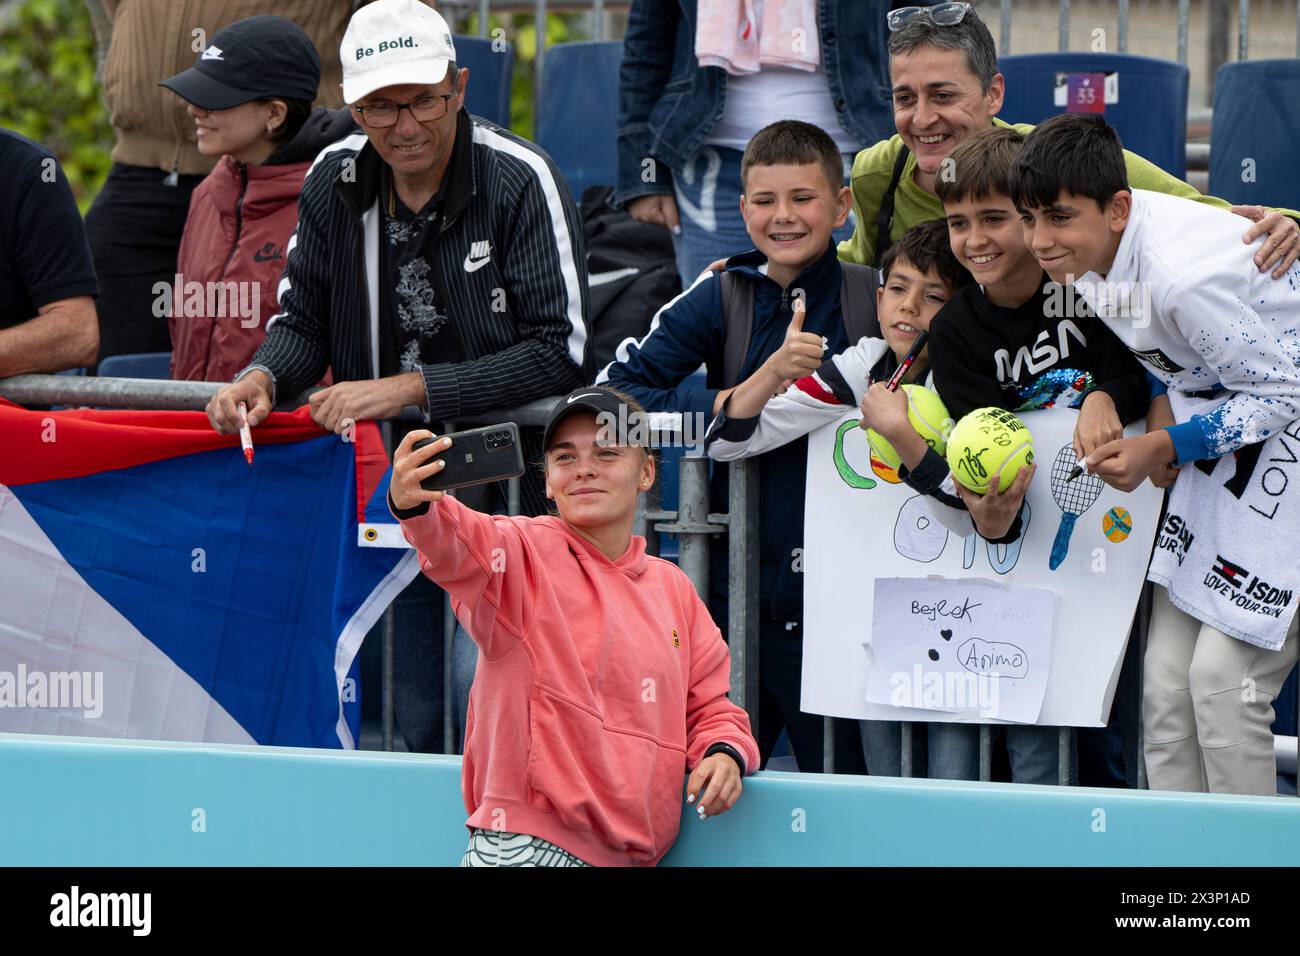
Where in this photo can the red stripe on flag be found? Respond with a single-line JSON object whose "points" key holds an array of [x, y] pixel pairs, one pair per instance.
{"points": [[47, 446], [371, 461]]}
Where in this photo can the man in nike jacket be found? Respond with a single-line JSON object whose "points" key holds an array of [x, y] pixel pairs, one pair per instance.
{"points": [[438, 262]]}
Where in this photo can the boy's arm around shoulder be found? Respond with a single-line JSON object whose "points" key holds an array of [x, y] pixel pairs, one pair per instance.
{"points": [[482, 561]]}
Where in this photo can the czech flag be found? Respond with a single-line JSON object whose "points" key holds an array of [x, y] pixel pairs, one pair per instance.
{"points": [[153, 585]]}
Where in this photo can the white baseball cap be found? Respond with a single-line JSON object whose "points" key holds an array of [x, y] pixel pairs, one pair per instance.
{"points": [[392, 43]]}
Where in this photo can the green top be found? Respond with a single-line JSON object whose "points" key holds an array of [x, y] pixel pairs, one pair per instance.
{"points": [[873, 167]]}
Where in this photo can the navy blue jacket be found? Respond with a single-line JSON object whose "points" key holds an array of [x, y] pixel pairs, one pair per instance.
{"points": [[668, 105], [690, 331]]}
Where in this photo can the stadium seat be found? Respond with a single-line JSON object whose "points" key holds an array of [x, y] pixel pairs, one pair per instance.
{"points": [[140, 365], [577, 112], [1150, 114], [490, 74], [1255, 119]]}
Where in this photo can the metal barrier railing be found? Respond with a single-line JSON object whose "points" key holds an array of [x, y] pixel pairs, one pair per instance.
{"points": [[691, 522]]}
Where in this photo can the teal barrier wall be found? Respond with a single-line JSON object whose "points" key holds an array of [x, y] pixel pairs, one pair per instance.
{"points": [[83, 802]]}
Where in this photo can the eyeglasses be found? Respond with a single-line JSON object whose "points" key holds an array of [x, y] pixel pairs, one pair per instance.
{"points": [[941, 15], [425, 109]]}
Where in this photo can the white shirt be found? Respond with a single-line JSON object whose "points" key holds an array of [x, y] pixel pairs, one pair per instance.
{"points": [[776, 93], [1185, 295]]}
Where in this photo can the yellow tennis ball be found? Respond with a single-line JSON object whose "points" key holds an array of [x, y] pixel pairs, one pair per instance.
{"points": [[986, 440], [926, 412]]}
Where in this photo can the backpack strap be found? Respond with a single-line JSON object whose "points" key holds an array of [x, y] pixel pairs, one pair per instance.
{"points": [[858, 301], [738, 312], [885, 214]]}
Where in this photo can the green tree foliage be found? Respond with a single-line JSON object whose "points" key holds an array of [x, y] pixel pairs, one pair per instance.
{"points": [[521, 31], [48, 90]]}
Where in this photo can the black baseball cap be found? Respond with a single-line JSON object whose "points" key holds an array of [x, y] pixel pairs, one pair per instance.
{"points": [[252, 59], [592, 398]]}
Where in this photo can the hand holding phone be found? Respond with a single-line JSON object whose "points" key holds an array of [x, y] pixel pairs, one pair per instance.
{"points": [[476, 457], [410, 467]]}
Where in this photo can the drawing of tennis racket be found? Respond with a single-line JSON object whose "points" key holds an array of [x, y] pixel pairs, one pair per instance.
{"points": [[1072, 497]]}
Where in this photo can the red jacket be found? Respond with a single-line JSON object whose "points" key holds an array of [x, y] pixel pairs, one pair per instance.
{"points": [[240, 221], [599, 683]]}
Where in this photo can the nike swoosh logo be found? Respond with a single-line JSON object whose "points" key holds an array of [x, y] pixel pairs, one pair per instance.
{"points": [[473, 265], [574, 398], [258, 257]]}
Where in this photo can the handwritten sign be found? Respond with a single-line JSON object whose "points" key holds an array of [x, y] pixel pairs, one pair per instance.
{"points": [[965, 647], [1090, 551]]}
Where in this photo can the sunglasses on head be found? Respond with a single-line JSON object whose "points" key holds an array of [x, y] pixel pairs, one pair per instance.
{"points": [[941, 15]]}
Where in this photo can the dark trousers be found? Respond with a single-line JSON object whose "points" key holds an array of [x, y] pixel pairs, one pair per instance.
{"points": [[780, 656], [135, 227], [418, 665]]}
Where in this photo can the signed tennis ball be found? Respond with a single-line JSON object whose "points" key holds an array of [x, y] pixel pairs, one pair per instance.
{"points": [[986, 440], [926, 412]]}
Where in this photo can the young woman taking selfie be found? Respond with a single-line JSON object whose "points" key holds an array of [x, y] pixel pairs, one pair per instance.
{"points": [[602, 680]]}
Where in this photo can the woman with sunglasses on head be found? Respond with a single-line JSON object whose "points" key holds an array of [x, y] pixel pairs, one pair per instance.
{"points": [[602, 680], [250, 95]]}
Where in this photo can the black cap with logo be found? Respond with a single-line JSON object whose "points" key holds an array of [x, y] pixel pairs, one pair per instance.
{"points": [[253, 59], [592, 398]]}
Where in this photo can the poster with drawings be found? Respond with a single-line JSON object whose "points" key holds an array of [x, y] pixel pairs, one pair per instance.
{"points": [[1087, 545]]}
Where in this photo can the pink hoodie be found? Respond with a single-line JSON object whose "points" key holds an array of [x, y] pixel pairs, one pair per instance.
{"points": [[599, 683]]}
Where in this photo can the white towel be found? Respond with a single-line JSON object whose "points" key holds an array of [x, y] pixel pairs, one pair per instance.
{"points": [[1229, 549], [743, 36]]}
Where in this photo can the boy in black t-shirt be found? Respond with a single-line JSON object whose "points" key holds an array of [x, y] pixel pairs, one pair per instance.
{"points": [[1012, 339]]}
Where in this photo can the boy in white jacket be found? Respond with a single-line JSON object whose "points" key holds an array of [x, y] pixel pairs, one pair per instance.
{"points": [[1176, 284]]}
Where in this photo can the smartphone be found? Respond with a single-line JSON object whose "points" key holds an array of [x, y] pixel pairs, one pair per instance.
{"points": [[476, 457]]}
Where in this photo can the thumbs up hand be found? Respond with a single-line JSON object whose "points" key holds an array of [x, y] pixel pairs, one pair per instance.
{"points": [[800, 353]]}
